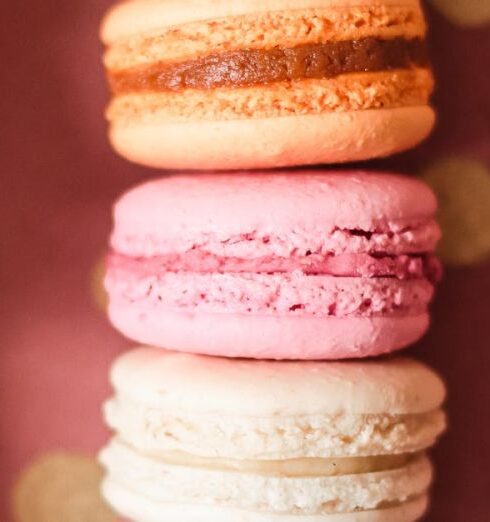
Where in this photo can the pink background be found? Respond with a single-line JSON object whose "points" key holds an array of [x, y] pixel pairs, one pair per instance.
{"points": [[59, 180]]}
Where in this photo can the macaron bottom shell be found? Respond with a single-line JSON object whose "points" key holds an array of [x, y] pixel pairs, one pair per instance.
{"points": [[141, 509], [332, 137], [268, 337]]}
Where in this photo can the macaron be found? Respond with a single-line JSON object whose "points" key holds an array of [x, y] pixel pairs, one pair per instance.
{"points": [[311, 265], [219, 84], [201, 438]]}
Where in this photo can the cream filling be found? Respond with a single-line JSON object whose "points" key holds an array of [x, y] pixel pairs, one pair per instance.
{"points": [[166, 483], [347, 92], [302, 467]]}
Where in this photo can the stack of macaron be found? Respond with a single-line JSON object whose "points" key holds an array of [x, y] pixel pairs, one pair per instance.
{"points": [[269, 305]]}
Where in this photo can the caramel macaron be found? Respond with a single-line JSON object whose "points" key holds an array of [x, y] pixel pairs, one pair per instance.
{"points": [[216, 84]]}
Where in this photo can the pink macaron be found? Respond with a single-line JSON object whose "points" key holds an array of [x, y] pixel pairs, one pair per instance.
{"points": [[313, 265]]}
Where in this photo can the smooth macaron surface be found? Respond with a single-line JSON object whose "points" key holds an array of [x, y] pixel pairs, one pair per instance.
{"points": [[311, 439], [291, 82], [218, 408], [180, 383], [227, 205], [307, 266]]}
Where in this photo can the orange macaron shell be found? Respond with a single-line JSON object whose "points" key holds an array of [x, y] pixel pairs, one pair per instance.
{"points": [[247, 85]]}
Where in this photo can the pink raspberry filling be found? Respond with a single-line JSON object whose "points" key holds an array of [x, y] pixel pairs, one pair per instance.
{"points": [[342, 265], [342, 285]]}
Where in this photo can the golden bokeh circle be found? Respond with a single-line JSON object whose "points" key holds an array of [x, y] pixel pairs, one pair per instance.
{"points": [[60, 487], [463, 190], [97, 289], [465, 12]]}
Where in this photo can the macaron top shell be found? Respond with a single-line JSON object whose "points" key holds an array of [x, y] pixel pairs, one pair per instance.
{"points": [[195, 384], [129, 18], [179, 212]]}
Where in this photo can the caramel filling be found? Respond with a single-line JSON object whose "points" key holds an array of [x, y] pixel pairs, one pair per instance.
{"points": [[303, 467], [251, 67]]}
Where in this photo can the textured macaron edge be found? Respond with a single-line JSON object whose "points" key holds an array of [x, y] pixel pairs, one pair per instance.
{"points": [[286, 294], [142, 509], [259, 30], [316, 436], [135, 17], [166, 401], [321, 211]]}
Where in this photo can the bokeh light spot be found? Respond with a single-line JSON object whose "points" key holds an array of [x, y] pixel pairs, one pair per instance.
{"points": [[97, 289], [463, 189], [60, 487], [465, 12]]}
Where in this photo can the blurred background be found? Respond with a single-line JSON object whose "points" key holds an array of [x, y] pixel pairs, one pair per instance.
{"points": [[59, 179]]}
